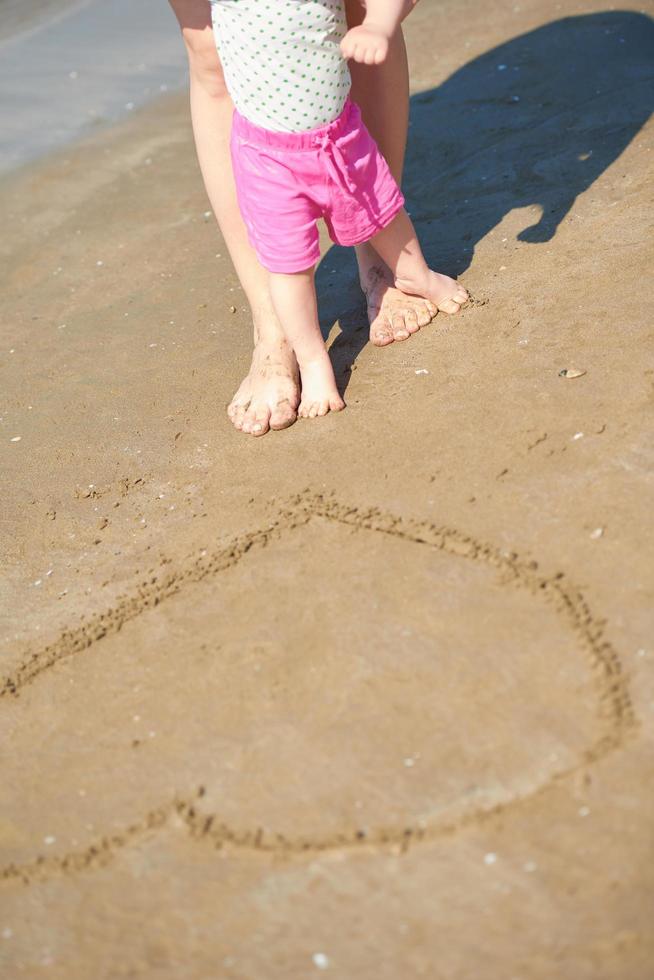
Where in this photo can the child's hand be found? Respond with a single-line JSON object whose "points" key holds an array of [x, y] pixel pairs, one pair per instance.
{"points": [[366, 44]]}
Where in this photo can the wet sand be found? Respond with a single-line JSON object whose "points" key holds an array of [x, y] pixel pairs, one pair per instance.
{"points": [[371, 697], [18, 16], [68, 69]]}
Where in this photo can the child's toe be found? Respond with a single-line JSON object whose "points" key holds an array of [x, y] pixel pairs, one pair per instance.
{"points": [[449, 306]]}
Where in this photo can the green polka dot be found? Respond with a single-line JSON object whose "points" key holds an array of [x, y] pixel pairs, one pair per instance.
{"points": [[280, 39]]}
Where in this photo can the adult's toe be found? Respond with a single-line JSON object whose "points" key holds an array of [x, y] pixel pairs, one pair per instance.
{"points": [[400, 331], [283, 415], [411, 321], [381, 335], [238, 416], [257, 421], [426, 313]]}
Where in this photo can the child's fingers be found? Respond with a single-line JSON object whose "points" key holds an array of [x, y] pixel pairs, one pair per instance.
{"points": [[382, 52], [347, 46], [363, 51]]}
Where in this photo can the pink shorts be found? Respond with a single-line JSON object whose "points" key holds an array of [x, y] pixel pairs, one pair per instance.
{"points": [[286, 181]]}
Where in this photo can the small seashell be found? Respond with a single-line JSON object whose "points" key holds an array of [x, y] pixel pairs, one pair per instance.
{"points": [[571, 373], [232, 309]]}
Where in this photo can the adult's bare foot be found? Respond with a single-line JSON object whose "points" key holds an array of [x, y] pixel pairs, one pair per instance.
{"points": [[269, 395], [391, 313]]}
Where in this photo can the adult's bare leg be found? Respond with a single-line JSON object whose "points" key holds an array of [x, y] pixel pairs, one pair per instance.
{"points": [[382, 93], [269, 395]]}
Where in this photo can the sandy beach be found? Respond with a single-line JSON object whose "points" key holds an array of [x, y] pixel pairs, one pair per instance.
{"points": [[373, 697]]}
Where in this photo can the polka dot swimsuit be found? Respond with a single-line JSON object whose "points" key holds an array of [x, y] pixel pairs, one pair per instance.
{"points": [[282, 61]]}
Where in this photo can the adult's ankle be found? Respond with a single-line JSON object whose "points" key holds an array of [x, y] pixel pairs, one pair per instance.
{"points": [[267, 329]]}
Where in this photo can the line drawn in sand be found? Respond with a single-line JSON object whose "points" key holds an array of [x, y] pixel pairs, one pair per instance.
{"points": [[615, 712]]}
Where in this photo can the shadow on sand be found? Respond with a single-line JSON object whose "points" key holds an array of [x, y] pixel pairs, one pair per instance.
{"points": [[533, 122]]}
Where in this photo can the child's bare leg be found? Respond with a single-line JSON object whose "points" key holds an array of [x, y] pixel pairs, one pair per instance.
{"points": [[400, 249], [294, 299]]}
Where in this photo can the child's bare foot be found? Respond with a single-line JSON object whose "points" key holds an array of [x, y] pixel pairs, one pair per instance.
{"points": [[392, 314], [319, 392], [268, 397], [447, 295], [294, 298], [400, 250]]}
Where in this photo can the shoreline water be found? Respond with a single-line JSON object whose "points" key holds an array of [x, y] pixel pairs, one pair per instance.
{"points": [[20, 17], [74, 68]]}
